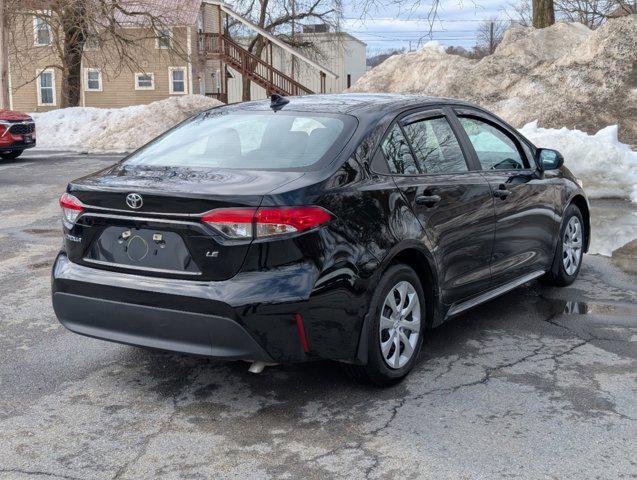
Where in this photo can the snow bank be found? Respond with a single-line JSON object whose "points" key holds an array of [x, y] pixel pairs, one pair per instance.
{"points": [[607, 167], [87, 129], [564, 75]]}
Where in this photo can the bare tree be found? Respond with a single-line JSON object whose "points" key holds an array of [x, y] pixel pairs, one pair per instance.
{"points": [[591, 13], [490, 33], [519, 12], [277, 18], [543, 13], [121, 31], [4, 57]]}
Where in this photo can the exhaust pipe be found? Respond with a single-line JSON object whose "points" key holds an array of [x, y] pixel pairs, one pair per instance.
{"points": [[258, 367]]}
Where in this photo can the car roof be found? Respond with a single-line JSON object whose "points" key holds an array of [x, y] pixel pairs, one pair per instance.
{"points": [[357, 104]]}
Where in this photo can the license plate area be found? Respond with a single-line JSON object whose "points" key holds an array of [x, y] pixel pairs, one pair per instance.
{"points": [[142, 249]]}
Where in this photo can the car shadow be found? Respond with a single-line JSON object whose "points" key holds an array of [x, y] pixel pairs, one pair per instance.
{"points": [[172, 372]]}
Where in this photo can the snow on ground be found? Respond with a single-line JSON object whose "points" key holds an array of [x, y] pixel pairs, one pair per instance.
{"points": [[87, 129], [607, 167]]}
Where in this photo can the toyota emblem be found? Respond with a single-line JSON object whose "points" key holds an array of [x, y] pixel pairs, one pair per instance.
{"points": [[134, 200]]}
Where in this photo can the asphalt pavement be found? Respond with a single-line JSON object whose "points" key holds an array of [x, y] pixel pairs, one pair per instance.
{"points": [[539, 383]]}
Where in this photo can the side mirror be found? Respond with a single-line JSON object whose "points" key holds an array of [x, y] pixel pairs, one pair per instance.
{"points": [[548, 159]]}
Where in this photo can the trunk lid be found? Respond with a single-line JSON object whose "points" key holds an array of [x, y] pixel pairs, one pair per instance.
{"points": [[163, 235]]}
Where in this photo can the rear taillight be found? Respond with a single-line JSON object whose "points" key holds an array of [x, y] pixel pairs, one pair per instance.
{"points": [[265, 222], [71, 207]]}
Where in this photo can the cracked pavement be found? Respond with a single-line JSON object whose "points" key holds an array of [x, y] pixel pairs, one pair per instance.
{"points": [[540, 383]]}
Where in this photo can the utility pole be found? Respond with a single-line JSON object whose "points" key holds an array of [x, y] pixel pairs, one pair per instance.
{"points": [[491, 39], [4, 58]]}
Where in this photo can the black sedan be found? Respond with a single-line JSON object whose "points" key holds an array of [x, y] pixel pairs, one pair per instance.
{"points": [[337, 227]]}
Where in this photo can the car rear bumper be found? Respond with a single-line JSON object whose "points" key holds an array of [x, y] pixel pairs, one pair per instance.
{"points": [[16, 146], [251, 316], [155, 327]]}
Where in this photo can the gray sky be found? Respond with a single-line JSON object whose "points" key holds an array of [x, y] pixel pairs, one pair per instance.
{"points": [[392, 28]]}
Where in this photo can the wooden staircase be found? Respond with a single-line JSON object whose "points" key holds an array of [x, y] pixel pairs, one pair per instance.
{"points": [[249, 65]]}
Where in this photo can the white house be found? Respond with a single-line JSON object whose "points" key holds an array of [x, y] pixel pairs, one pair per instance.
{"points": [[340, 52]]}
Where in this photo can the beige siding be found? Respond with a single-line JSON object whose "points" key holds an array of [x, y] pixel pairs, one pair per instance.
{"points": [[118, 87], [118, 84]]}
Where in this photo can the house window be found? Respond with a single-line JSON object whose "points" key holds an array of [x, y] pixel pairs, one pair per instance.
{"points": [[41, 31], [144, 81], [163, 38], [177, 80], [93, 80], [46, 87], [92, 43]]}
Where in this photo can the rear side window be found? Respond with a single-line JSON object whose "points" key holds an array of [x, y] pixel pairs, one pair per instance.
{"points": [[250, 140], [436, 146], [398, 153], [494, 148]]}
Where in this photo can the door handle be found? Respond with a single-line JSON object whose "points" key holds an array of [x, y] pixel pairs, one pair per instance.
{"points": [[427, 200], [501, 192]]}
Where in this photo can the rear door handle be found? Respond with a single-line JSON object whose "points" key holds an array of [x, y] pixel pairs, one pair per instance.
{"points": [[501, 192], [427, 200]]}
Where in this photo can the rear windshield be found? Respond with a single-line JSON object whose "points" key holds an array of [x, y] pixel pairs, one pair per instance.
{"points": [[248, 140]]}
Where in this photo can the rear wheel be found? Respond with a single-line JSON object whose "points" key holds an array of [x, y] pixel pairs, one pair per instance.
{"points": [[11, 155], [570, 249], [396, 321]]}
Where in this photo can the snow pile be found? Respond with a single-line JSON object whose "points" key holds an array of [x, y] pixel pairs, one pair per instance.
{"points": [[564, 75], [607, 167], [87, 129]]}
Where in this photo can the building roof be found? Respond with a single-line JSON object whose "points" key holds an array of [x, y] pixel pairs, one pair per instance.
{"points": [[326, 35], [167, 12]]}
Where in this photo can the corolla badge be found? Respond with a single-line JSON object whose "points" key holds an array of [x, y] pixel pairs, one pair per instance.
{"points": [[134, 200]]}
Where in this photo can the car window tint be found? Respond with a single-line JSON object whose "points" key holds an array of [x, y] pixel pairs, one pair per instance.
{"points": [[495, 150], [259, 140], [436, 146], [398, 153]]}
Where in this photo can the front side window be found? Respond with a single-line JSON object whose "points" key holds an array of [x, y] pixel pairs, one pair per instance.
{"points": [[398, 154], [177, 80], [46, 88], [436, 147], [494, 148], [93, 80], [242, 140], [42, 31], [144, 81]]}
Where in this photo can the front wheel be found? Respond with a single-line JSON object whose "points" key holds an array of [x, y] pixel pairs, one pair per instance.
{"points": [[11, 155], [396, 322], [570, 249]]}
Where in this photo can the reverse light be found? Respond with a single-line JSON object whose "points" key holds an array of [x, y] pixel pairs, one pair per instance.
{"points": [[71, 207], [265, 222]]}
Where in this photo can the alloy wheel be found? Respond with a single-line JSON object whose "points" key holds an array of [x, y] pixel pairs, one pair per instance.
{"points": [[572, 246], [399, 325]]}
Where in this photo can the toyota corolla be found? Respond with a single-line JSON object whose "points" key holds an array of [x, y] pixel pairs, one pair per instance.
{"points": [[338, 227]]}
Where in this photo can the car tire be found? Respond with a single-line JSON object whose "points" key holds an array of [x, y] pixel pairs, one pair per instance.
{"points": [[385, 365], [569, 251], [11, 155]]}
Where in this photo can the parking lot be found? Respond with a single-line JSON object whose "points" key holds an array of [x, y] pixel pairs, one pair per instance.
{"points": [[540, 383]]}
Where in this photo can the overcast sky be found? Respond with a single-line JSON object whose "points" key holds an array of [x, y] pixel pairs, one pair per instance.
{"points": [[392, 28]]}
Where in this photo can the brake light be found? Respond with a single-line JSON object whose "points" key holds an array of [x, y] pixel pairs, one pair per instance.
{"points": [[71, 207], [265, 222], [233, 223]]}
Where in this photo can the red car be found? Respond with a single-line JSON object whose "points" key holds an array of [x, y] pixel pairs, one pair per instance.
{"points": [[17, 133]]}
